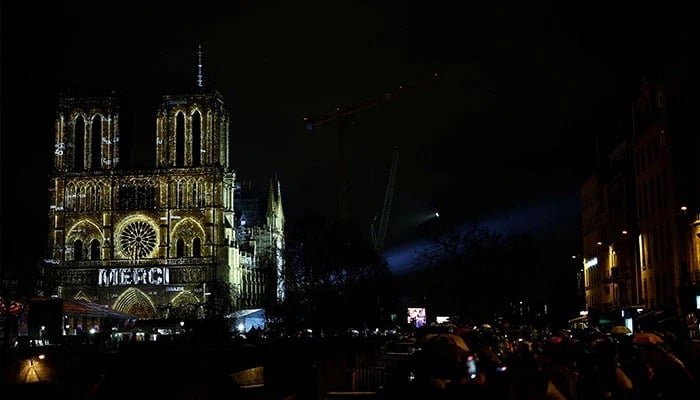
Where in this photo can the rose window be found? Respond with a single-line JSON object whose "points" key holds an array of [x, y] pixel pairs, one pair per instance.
{"points": [[138, 240]]}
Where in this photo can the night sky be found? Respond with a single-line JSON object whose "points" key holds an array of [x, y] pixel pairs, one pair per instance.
{"points": [[504, 136]]}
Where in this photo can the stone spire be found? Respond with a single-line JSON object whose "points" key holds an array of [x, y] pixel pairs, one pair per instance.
{"points": [[275, 214], [280, 211], [200, 77]]}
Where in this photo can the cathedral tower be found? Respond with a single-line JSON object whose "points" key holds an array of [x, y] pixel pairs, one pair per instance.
{"points": [[87, 134], [192, 128]]}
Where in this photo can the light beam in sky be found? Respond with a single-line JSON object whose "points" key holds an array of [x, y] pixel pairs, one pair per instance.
{"points": [[534, 219]]}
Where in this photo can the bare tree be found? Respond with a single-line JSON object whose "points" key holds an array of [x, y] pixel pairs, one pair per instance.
{"points": [[18, 284], [220, 301], [333, 275]]}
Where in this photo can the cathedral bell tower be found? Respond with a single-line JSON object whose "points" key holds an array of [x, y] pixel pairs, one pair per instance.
{"points": [[192, 128], [87, 134]]}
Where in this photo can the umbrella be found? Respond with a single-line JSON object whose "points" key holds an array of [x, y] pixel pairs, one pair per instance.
{"points": [[620, 330], [440, 355], [461, 330], [443, 342], [443, 347], [555, 339], [646, 338]]}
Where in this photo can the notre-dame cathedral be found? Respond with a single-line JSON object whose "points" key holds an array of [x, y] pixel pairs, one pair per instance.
{"points": [[144, 241]]}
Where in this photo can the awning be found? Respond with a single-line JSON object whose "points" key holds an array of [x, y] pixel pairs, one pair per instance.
{"points": [[653, 314], [84, 308], [10, 307], [93, 310], [583, 318], [245, 313]]}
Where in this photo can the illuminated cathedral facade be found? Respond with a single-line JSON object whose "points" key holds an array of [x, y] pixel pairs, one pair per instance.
{"points": [[145, 242]]}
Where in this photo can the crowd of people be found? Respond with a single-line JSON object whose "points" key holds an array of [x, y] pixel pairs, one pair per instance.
{"points": [[570, 365]]}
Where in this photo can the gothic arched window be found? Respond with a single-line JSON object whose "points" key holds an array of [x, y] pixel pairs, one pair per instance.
{"points": [[94, 250], [195, 194], [78, 250], [96, 143], [199, 199], [196, 247], [179, 194], [90, 198], [79, 143], [180, 248], [70, 197], [80, 198], [180, 140], [196, 139], [97, 200]]}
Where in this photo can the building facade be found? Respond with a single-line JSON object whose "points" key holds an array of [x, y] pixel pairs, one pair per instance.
{"points": [[640, 209], [148, 241]]}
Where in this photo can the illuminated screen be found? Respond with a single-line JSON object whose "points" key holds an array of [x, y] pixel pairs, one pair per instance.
{"points": [[416, 316], [442, 320]]}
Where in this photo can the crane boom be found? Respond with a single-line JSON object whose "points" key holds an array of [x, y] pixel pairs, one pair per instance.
{"points": [[341, 116], [379, 232], [343, 112]]}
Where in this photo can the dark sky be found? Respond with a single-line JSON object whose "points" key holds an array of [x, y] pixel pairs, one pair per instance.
{"points": [[505, 135]]}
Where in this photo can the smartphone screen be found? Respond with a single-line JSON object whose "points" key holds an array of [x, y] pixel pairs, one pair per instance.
{"points": [[471, 367]]}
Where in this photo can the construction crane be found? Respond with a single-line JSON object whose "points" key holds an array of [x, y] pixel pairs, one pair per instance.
{"points": [[378, 232], [342, 116]]}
